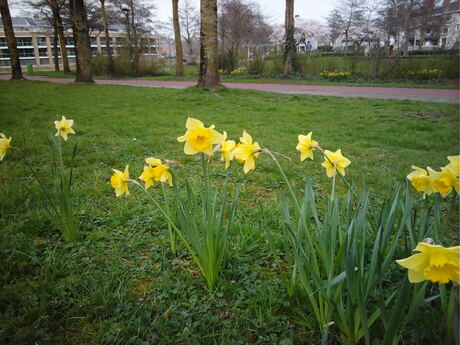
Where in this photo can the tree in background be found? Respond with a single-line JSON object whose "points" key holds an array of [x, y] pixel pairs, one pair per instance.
{"points": [[290, 46], [241, 21], [190, 23], [108, 48], [82, 42], [54, 12], [209, 48], [16, 72], [178, 40], [137, 21]]}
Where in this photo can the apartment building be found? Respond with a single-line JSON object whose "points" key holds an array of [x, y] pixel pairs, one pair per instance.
{"points": [[35, 41]]}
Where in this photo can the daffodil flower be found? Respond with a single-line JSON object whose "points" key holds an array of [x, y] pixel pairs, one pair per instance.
{"points": [[119, 181], [444, 181], [64, 127], [246, 151], [421, 181], [454, 165], [198, 138], [434, 263], [335, 161], [4, 145], [226, 149], [305, 146], [156, 171]]}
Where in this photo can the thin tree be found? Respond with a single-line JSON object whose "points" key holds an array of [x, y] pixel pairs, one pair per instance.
{"points": [[290, 48], [209, 60], [82, 42], [54, 12], [178, 39], [110, 67], [16, 72], [56, 6], [189, 20]]}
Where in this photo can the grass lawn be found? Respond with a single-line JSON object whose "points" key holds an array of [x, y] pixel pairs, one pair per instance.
{"points": [[191, 75], [120, 284]]}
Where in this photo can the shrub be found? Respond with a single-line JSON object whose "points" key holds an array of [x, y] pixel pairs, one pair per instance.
{"points": [[99, 65], [227, 62], [256, 66]]}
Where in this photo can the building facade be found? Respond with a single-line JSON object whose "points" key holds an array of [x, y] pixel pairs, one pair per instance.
{"points": [[35, 41]]}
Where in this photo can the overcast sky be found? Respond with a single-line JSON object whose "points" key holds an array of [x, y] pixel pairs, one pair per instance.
{"points": [[306, 9], [274, 9]]}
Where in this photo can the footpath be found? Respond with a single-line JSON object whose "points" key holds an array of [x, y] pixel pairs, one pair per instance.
{"points": [[412, 94]]}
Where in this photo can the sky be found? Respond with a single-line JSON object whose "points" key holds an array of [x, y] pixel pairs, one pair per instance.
{"points": [[274, 9]]}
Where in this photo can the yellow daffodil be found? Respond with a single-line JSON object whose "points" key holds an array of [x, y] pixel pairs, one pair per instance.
{"points": [[305, 146], [335, 158], [246, 151], [444, 181], [454, 165], [4, 145], [64, 127], [198, 138], [227, 150], [434, 263], [119, 181], [155, 172], [421, 181]]}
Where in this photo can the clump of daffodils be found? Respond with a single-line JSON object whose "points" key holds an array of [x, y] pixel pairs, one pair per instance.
{"points": [[430, 181], [333, 161], [434, 263]]}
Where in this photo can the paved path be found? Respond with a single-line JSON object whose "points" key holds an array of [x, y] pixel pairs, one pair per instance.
{"points": [[413, 94]]}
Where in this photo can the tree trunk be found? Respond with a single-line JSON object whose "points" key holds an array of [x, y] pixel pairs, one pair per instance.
{"points": [[60, 31], [177, 38], [209, 54], [290, 48], [110, 67], [82, 43], [16, 72], [55, 48]]}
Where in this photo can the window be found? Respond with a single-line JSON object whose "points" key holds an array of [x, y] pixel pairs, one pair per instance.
{"points": [[4, 53], [5, 63], [41, 41], [42, 52], [24, 41], [93, 41], [26, 53], [2, 42], [69, 41], [26, 61], [70, 51], [445, 30], [44, 61]]}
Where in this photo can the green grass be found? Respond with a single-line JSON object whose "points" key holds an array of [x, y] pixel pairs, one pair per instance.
{"points": [[120, 284], [191, 75]]}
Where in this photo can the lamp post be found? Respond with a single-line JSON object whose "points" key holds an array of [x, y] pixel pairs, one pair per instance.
{"points": [[130, 46]]}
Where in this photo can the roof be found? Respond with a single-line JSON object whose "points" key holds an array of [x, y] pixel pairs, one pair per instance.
{"points": [[27, 22]]}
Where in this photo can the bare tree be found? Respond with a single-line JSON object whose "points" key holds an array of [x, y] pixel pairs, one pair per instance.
{"points": [[137, 21], [54, 12], [290, 46], [241, 21], [190, 23], [16, 72], [82, 42], [335, 24], [178, 40], [108, 48], [209, 49]]}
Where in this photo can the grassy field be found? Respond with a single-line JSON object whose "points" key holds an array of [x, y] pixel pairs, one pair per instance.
{"points": [[120, 284], [191, 75]]}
